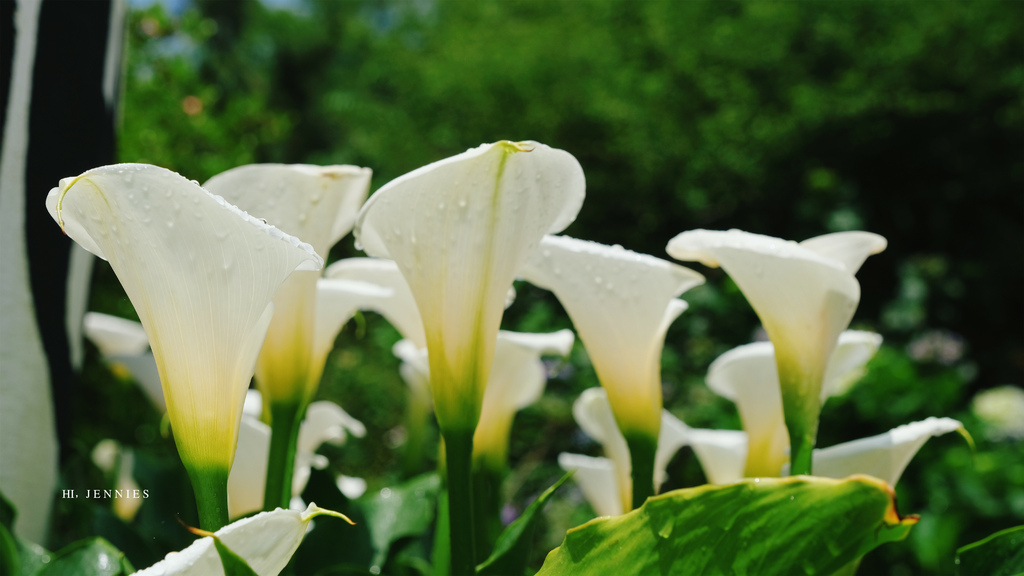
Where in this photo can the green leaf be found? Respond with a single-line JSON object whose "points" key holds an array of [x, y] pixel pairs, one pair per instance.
{"points": [[1000, 554], [10, 561], [233, 564], [442, 554], [398, 512], [32, 557], [88, 557], [512, 550], [795, 525]]}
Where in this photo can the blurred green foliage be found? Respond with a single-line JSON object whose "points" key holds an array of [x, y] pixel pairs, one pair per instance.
{"points": [[786, 118]]}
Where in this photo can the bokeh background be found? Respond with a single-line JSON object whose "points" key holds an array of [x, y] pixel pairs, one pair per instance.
{"points": [[791, 119]]}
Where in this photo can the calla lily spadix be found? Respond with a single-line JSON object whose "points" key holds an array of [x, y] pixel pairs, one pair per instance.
{"points": [[116, 462], [265, 541], [622, 304], [747, 376], [184, 257], [805, 295], [593, 413], [459, 230]]}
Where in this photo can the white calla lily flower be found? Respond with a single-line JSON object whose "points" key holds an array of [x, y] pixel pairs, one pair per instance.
{"points": [[183, 257], [125, 347], [747, 376], [118, 461], [593, 413], [400, 309], [318, 204], [804, 294], [884, 456], [265, 541], [415, 371], [115, 336], [722, 453], [337, 301], [459, 230], [517, 380], [597, 478], [622, 304], [324, 422]]}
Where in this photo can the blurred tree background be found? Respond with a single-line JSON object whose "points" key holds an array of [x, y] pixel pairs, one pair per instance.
{"points": [[791, 119]]}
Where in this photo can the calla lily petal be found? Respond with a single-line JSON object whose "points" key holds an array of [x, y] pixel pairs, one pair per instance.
{"points": [[803, 295], [350, 486], [324, 422], [459, 230], [400, 309], [183, 255], [722, 453], [327, 422], [885, 456], [597, 478], [674, 435], [747, 376], [517, 380], [621, 303], [265, 541], [115, 336], [848, 362], [415, 370], [850, 248], [124, 345], [319, 205], [248, 478], [253, 404], [593, 413], [316, 203], [336, 302]]}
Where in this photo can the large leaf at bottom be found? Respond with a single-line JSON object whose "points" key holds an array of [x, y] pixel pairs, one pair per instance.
{"points": [[795, 525]]}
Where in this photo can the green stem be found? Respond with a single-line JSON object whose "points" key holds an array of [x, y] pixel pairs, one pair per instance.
{"points": [[285, 419], [419, 438], [641, 455], [210, 485], [486, 507], [458, 460], [801, 449]]}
